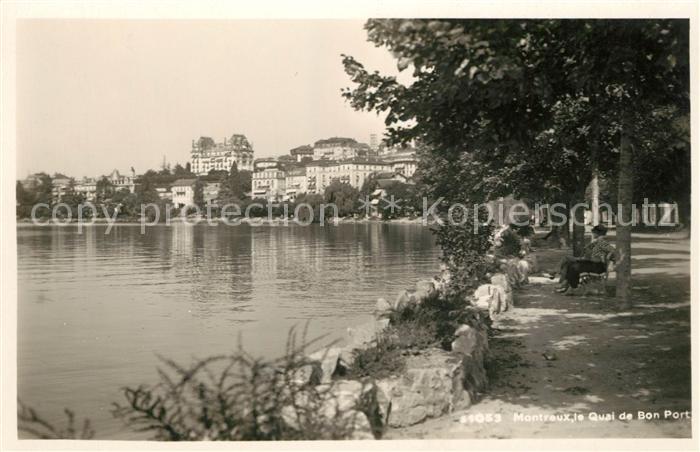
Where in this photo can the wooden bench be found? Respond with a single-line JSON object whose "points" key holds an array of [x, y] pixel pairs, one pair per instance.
{"points": [[598, 281]]}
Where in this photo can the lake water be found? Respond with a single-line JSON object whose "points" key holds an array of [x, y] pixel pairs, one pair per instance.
{"points": [[95, 309]]}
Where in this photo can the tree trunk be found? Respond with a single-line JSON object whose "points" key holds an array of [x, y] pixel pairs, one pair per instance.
{"points": [[595, 195], [595, 186], [579, 229], [567, 229], [625, 193], [564, 229], [684, 207]]}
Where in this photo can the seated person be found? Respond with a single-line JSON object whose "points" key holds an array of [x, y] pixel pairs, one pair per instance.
{"points": [[506, 240], [594, 260]]}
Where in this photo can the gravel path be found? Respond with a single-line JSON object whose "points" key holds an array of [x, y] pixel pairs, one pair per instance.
{"points": [[578, 367]]}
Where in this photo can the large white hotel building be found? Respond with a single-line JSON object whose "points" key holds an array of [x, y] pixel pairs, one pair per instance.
{"points": [[207, 155]]}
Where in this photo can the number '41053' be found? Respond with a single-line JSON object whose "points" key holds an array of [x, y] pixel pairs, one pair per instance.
{"points": [[481, 418]]}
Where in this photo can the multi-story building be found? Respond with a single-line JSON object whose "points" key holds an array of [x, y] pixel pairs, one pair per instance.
{"points": [[302, 152], [389, 152], [120, 181], [206, 155], [60, 185], [264, 163], [87, 186], [164, 192], [296, 183], [403, 160], [354, 172], [288, 160], [338, 148], [269, 183], [404, 166], [183, 192], [274, 182], [316, 178]]}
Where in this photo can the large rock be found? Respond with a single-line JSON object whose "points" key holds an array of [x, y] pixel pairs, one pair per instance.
{"points": [[475, 378], [329, 360], [475, 340], [472, 344], [504, 281], [339, 407], [363, 336], [382, 309], [361, 427], [481, 298], [352, 400], [466, 340], [491, 297], [345, 395], [347, 357], [402, 301], [500, 279], [308, 374], [431, 385], [482, 303]]}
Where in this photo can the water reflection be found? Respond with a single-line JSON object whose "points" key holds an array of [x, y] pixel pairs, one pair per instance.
{"points": [[94, 309]]}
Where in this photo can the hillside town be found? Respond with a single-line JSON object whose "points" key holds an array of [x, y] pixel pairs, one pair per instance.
{"points": [[307, 169], [507, 258]]}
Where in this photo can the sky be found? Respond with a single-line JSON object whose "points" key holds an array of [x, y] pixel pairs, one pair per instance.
{"points": [[94, 95]]}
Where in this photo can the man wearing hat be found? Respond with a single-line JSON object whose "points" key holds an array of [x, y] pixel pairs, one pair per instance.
{"points": [[594, 260]]}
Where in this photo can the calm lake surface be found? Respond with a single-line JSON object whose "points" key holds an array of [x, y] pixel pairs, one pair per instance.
{"points": [[94, 310]]}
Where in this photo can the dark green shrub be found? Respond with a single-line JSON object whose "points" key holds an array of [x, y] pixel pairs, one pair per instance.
{"points": [[235, 397], [464, 246], [229, 397], [413, 335], [438, 315], [381, 360]]}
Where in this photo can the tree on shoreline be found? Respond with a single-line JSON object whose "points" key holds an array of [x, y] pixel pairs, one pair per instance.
{"points": [[234, 185], [343, 195], [531, 108], [103, 189], [198, 194]]}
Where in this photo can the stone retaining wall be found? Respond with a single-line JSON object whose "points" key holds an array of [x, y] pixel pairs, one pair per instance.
{"points": [[435, 381]]}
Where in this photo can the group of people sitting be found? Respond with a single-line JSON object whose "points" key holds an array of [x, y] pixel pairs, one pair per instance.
{"points": [[595, 258]]}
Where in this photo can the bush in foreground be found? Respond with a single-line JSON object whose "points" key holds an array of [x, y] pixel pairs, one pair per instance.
{"points": [[229, 397], [31, 422]]}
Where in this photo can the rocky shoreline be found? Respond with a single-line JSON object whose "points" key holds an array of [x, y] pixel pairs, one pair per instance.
{"points": [[435, 381]]}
